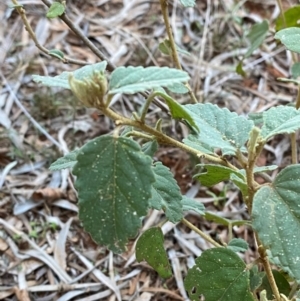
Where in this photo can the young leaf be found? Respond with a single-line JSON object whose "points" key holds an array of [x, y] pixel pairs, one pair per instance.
{"points": [[62, 80], [188, 3], [56, 53], [279, 120], [291, 18], [220, 128], [256, 36], [191, 204], [67, 161], [215, 174], [56, 9], [289, 37], [178, 88], [219, 274], [114, 182], [239, 69], [295, 70], [264, 168], [238, 245], [150, 248], [150, 148], [165, 48], [281, 282], [166, 193], [276, 218], [131, 80], [255, 278]]}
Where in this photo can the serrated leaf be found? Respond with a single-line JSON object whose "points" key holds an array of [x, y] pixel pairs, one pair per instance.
{"points": [[255, 278], [220, 128], [238, 245], [166, 193], [219, 274], [56, 53], [188, 3], [191, 204], [279, 120], [114, 182], [295, 70], [150, 248], [257, 118], [131, 80], [62, 80], [281, 282], [56, 9], [256, 36], [215, 174], [289, 37], [276, 218], [150, 148], [291, 18], [67, 161]]}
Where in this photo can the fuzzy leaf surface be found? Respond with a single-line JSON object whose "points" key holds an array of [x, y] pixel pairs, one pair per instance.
{"points": [[220, 128], [62, 80], [291, 18], [67, 161], [289, 37], [131, 80], [276, 218], [256, 278], [114, 182], [295, 70], [166, 193], [188, 3], [256, 36], [238, 245], [193, 141], [150, 148], [219, 275], [279, 120], [215, 174], [150, 247], [191, 204]]}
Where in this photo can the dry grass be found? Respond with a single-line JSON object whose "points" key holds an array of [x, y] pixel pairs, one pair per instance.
{"points": [[45, 254]]}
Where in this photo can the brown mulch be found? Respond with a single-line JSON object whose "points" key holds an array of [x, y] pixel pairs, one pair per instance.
{"points": [[44, 252]]}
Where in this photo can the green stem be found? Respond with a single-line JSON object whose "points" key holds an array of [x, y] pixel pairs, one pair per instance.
{"points": [[146, 106], [201, 233], [165, 13], [139, 135]]}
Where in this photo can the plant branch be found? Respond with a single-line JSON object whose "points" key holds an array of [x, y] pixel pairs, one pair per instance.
{"points": [[201, 233], [66, 60], [294, 148], [165, 13], [84, 39]]}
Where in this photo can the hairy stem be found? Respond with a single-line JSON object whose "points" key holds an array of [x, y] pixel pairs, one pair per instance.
{"points": [[201, 233], [165, 13]]}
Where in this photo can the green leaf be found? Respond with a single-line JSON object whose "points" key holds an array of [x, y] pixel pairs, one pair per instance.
{"points": [[131, 80], [150, 148], [238, 245], [166, 193], [264, 168], [62, 80], [255, 278], [191, 204], [295, 70], [56, 9], [257, 118], [239, 69], [114, 182], [150, 248], [279, 120], [220, 128], [289, 37], [188, 3], [56, 53], [178, 89], [241, 183], [215, 174], [194, 142], [165, 48], [281, 282], [291, 18], [210, 216], [256, 36], [276, 218], [67, 161], [219, 274]]}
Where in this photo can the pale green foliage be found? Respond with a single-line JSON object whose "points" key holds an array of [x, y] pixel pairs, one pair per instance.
{"points": [[291, 18], [295, 70], [276, 218], [131, 80], [56, 9], [219, 274], [114, 180], [191, 204], [166, 193], [188, 3], [289, 37], [68, 161], [238, 245], [150, 248]]}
